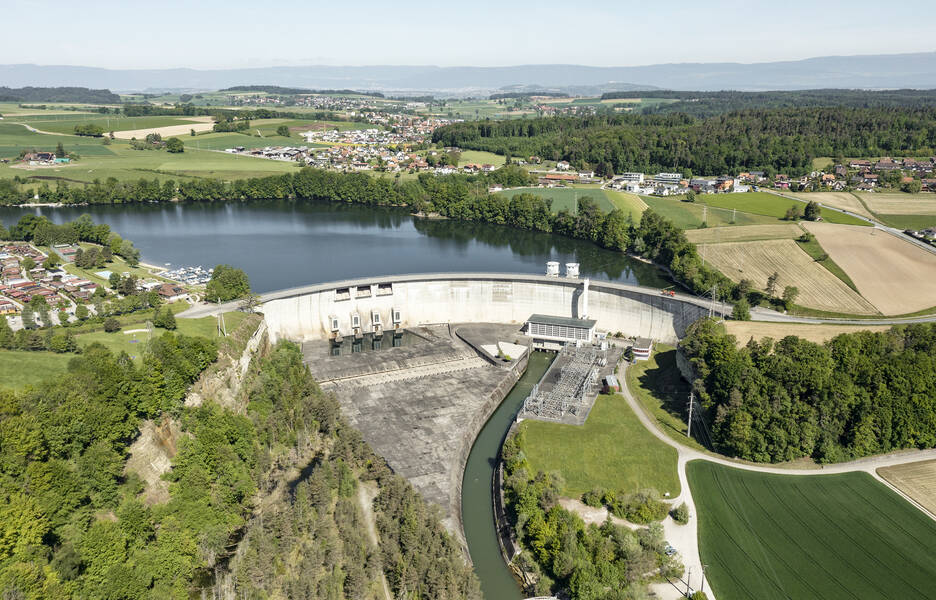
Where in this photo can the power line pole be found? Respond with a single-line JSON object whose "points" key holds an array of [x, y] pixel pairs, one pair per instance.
{"points": [[689, 424], [688, 579], [705, 213]]}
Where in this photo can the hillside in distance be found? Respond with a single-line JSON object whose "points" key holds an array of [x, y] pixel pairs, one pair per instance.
{"points": [[916, 71]]}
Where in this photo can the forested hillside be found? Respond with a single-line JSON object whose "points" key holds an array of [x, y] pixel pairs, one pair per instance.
{"points": [[73, 523], [706, 104], [856, 395], [58, 94], [781, 140]]}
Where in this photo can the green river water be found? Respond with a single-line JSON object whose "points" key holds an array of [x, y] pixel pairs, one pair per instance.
{"points": [[497, 583]]}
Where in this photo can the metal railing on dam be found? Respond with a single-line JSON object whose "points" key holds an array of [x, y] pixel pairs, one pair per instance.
{"points": [[311, 312]]}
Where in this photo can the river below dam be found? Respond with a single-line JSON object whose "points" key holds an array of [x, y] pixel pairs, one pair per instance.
{"points": [[283, 244]]}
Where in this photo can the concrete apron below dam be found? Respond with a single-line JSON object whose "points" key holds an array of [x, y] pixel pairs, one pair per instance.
{"points": [[422, 404]]}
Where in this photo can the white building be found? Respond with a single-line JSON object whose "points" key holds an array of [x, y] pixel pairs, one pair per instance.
{"points": [[636, 177], [669, 177], [551, 333]]}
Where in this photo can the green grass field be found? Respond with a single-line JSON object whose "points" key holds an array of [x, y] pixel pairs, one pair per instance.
{"points": [[66, 123], [770, 205], [566, 198], [915, 222], [612, 451], [480, 157], [134, 343], [844, 536], [658, 386], [689, 215], [21, 368]]}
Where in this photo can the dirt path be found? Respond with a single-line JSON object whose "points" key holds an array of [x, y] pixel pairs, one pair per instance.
{"points": [[366, 494], [34, 130]]}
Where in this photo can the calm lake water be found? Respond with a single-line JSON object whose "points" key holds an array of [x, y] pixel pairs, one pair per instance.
{"points": [[282, 244]]}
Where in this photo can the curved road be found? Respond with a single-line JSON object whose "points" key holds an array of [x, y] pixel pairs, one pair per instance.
{"points": [[685, 538]]}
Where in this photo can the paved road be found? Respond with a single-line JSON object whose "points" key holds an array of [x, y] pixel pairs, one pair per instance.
{"points": [[685, 538]]}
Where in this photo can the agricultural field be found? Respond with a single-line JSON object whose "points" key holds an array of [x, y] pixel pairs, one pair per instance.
{"points": [[843, 536], [747, 233], [745, 330], [611, 451], [183, 128], [895, 276], [898, 203], [691, 215], [120, 161], [65, 124], [841, 200], [770, 205], [819, 289], [19, 368], [15, 138], [917, 480]]}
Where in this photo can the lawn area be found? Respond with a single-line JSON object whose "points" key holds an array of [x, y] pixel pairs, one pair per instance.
{"points": [[769, 205], [661, 390], [15, 138], [843, 536], [19, 368], [134, 343], [915, 222], [612, 451]]}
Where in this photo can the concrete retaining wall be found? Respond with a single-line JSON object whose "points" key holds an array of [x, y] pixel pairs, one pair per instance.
{"points": [[477, 298]]}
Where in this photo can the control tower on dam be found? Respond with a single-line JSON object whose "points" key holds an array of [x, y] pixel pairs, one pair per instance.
{"points": [[379, 304]]}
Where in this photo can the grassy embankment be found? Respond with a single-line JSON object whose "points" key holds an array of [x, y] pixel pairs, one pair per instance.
{"points": [[664, 395], [612, 451], [841, 536]]}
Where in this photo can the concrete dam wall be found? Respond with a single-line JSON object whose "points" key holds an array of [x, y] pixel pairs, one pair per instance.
{"points": [[302, 314]]}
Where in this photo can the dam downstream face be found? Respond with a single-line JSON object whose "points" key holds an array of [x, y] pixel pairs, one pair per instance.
{"points": [[284, 244]]}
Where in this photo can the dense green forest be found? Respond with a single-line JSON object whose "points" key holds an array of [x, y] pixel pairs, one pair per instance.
{"points": [[58, 94], [73, 523], [858, 394], [462, 197], [706, 104], [778, 140], [561, 553]]}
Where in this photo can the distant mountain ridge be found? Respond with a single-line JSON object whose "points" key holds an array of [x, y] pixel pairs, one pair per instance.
{"points": [[916, 70]]}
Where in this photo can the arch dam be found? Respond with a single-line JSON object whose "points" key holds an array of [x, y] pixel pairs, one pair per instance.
{"points": [[421, 406]]}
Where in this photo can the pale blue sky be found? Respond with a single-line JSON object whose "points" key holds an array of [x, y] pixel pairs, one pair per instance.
{"points": [[239, 33]]}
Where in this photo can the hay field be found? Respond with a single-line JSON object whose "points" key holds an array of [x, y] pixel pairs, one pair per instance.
{"points": [[842, 200], [901, 204], [917, 480], [197, 123], [756, 261], [746, 233], [745, 330], [895, 276]]}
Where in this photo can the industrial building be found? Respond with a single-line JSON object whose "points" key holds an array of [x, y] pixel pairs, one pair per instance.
{"points": [[551, 333]]}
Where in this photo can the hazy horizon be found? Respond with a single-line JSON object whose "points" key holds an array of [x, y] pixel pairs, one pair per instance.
{"points": [[236, 35]]}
